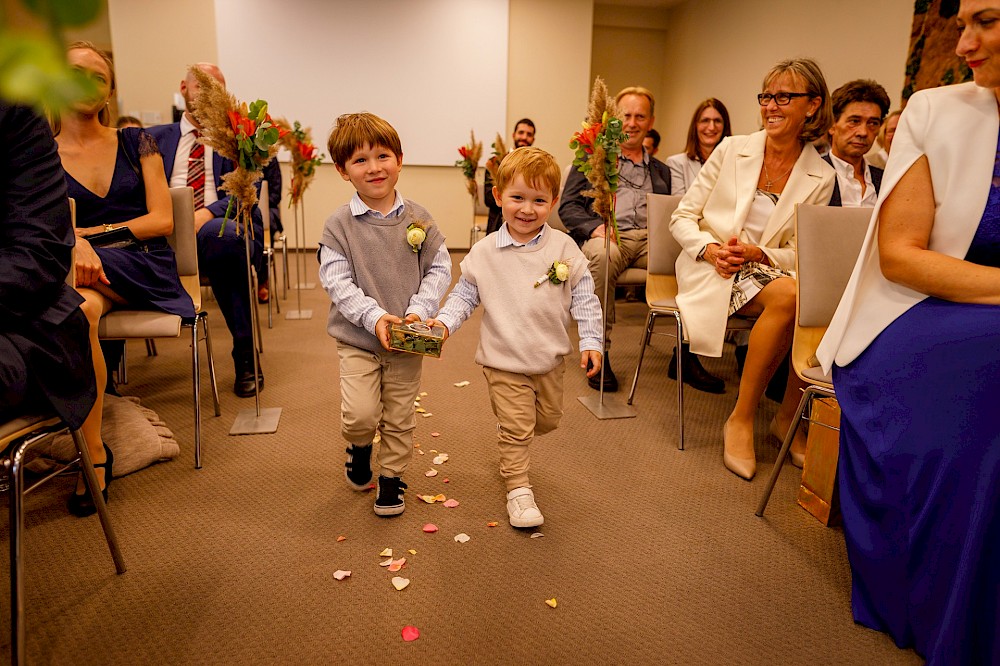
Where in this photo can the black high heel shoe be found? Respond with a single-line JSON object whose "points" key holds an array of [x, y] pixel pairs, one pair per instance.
{"points": [[82, 506]]}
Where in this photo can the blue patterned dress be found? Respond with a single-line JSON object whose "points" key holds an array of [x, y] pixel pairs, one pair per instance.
{"points": [[919, 472]]}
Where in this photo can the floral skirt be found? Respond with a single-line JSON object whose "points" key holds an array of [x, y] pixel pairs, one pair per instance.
{"points": [[749, 281]]}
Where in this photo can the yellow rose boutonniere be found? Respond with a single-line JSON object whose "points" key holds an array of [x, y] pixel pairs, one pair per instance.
{"points": [[557, 274], [416, 235]]}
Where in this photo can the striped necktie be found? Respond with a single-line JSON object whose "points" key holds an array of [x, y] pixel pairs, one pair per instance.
{"points": [[196, 171]]}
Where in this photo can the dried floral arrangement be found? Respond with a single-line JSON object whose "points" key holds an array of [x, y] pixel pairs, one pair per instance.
{"points": [[305, 158], [597, 148], [499, 152], [471, 152], [245, 135]]}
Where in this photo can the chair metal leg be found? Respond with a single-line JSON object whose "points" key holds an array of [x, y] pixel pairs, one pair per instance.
{"points": [[196, 376], [16, 490], [807, 395], [680, 381], [122, 366], [255, 313], [90, 477], [203, 317], [150, 347], [277, 301], [650, 323]]}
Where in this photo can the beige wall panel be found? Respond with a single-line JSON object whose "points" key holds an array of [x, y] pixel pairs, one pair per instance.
{"points": [[722, 48]]}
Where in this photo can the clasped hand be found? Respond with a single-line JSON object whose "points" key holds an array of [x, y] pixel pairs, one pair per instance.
{"points": [[385, 322], [89, 269], [729, 258]]}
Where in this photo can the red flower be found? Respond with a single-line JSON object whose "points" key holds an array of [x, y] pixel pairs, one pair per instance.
{"points": [[463, 151], [241, 124], [307, 151], [586, 137]]}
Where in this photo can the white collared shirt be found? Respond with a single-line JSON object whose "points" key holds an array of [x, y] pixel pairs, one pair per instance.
{"points": [[178, 177], [850, 188]]}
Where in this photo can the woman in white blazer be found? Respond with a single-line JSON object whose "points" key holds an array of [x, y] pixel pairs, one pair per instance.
{"points": [[736, 230], [914, 349], [709, 126]]}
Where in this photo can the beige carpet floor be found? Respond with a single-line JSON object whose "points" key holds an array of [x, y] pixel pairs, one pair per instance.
{"points": [[653, 554]]}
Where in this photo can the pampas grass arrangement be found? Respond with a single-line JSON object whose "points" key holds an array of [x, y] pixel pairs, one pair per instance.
{"points": [[471, 153]]}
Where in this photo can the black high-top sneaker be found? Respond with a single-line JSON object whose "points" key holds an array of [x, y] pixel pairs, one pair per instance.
{"points": [[389, 501]]}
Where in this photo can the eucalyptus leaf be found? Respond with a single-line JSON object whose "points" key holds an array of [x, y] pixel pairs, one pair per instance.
{"points": [[65, 12]]}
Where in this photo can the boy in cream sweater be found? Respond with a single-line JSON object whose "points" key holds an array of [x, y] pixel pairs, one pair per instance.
{"points": [[530, 279]]}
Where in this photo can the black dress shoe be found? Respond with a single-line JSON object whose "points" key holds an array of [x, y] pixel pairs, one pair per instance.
{"points": [[695, 375], [82, 506], [243, 387], [610, 381]]}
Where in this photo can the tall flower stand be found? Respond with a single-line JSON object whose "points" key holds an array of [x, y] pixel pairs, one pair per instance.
{"points": [[299, 210], [601, 406], [476, 229], [255, 421]]}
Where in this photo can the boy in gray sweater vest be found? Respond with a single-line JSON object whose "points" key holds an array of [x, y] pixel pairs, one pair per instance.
{"points": [[380, 256], [530, 279]]}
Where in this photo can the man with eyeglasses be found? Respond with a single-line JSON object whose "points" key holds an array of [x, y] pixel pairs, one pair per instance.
{"points": [[859, 108]]}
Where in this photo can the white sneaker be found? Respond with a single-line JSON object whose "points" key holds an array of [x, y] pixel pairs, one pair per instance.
{"points": [[522, 509]]}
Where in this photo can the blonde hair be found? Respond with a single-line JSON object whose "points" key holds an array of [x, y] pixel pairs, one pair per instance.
{"points": [[808, 71], [537, 167], [641, 92], [354, 131], [104, 115]]}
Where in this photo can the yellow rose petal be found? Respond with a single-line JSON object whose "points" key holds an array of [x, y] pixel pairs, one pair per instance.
{"points": [[552, 602]]}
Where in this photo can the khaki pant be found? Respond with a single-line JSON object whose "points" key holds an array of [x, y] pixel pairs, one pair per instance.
{"points": [[525, 406], [633, 252], [377, 391]]}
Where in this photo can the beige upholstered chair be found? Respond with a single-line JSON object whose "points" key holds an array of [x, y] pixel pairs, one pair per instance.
{"points": [[829, 241], [661, 293], [142, 324]]}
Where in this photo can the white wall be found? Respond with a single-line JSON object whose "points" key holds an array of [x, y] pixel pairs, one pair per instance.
{"points": [[548, 80], [723, 48]]}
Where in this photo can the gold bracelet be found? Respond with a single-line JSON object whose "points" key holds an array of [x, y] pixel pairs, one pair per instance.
{"points": [[109, 227]]}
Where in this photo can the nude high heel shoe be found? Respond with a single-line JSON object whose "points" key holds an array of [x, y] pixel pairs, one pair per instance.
{"points": [[745, 468]]}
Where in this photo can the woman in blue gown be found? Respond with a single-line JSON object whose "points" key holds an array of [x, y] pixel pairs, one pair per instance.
{"points": [[117, 180], [915, 350]]}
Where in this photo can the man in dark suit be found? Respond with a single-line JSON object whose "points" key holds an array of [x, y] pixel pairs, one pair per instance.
{"points": [[638, 175], [222, 259], [45, 359], [859, 108]]}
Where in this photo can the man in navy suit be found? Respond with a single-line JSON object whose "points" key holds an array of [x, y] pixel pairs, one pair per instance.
{"points": [[222, 259], [859, 108]]}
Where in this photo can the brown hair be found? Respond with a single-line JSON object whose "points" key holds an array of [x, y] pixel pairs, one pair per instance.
{"points": [[354, 131], [692, 148], [859, 90], [809, 72], [641, 92], [537, 167]]}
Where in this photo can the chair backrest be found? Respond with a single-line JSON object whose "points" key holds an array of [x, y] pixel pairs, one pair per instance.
{"points": [[663, 247], [829, 240], [184, 240], [265, 208]]}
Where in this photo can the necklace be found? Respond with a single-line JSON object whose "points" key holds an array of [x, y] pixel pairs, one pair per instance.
{"points": [[631, 184], [767, 178]]}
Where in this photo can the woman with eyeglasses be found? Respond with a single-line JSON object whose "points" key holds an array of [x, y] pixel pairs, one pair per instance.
{"points": [[736, 229], [914, 348], [709, 125]]}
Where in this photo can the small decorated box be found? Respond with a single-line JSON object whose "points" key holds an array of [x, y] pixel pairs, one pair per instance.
{"points": [[417, 338]]}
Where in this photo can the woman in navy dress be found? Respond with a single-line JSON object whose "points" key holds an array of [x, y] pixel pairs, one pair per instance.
{"points": [[117, 180], [916, 347]]}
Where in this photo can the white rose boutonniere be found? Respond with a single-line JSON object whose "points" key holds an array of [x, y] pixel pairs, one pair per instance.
{"points": [[557, 274], [416, 235]]}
